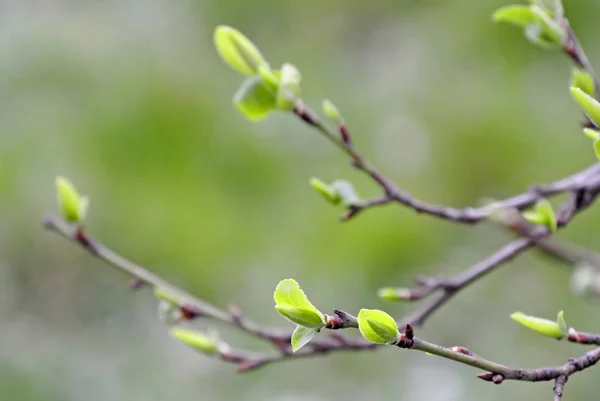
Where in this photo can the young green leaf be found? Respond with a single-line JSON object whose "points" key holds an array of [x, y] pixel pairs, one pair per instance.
{"points": [[518, 15], [289, 87], [199, 341], [301, 336], [551, 29], [377, 326], [545, 327], [534, 33], [588, 104], [255, 98], [327, 191], [345, 191], [73, 205], [237, 50], [593, 134], [292, 303], [544, 209], [310, 318], [330, 110], [534, 217], [582, 80], [562, 323]]}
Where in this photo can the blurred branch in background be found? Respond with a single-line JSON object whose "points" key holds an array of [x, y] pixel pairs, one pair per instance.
{"points": [[265, 90]]}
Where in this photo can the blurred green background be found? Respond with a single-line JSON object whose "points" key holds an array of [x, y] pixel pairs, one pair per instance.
{"points": [[130, 101]]}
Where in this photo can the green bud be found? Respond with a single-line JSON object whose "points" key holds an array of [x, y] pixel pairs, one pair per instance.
{"points": [[593, 134], [237, 50], [562, 323], [543, 214], [377, 326], [289, 87], [582, 80], [544, 208], [327, 191], [330, 110], [301, 336], [597, 148], [345, 191], [543, 326], [255, 98], [73, 205], [588, 104], [391, 294], [199, 341], [292, 303]]}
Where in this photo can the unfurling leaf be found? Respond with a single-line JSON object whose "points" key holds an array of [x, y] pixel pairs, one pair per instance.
{"points": [[330, 110], [255, 98], [593, 134], [301, 336], [327, 191], [377, 326], [73, 206], [562, 323], [237, 50], [543, 214], [544, 208], [345, 190], [582, 80], [197, 340], [518, 15], [289, 87], [550, 28], [292, 303], [588, 104], [545, 327]]}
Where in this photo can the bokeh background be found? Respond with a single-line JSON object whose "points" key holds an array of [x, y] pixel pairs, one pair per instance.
{"points": [[130, 101]]}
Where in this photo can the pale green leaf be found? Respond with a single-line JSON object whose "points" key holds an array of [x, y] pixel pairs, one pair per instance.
{"points": [[535, 34], [588, 104], [292, 303], [550, 28], [545, 327], [166, 296], [377, 326], [237, 50], [304, 317], [255, 99], [301, 336], [514, 14]]}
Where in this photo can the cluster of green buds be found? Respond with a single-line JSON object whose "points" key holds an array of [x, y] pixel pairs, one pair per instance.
{"points": [[541, 26], [264, 89]]}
